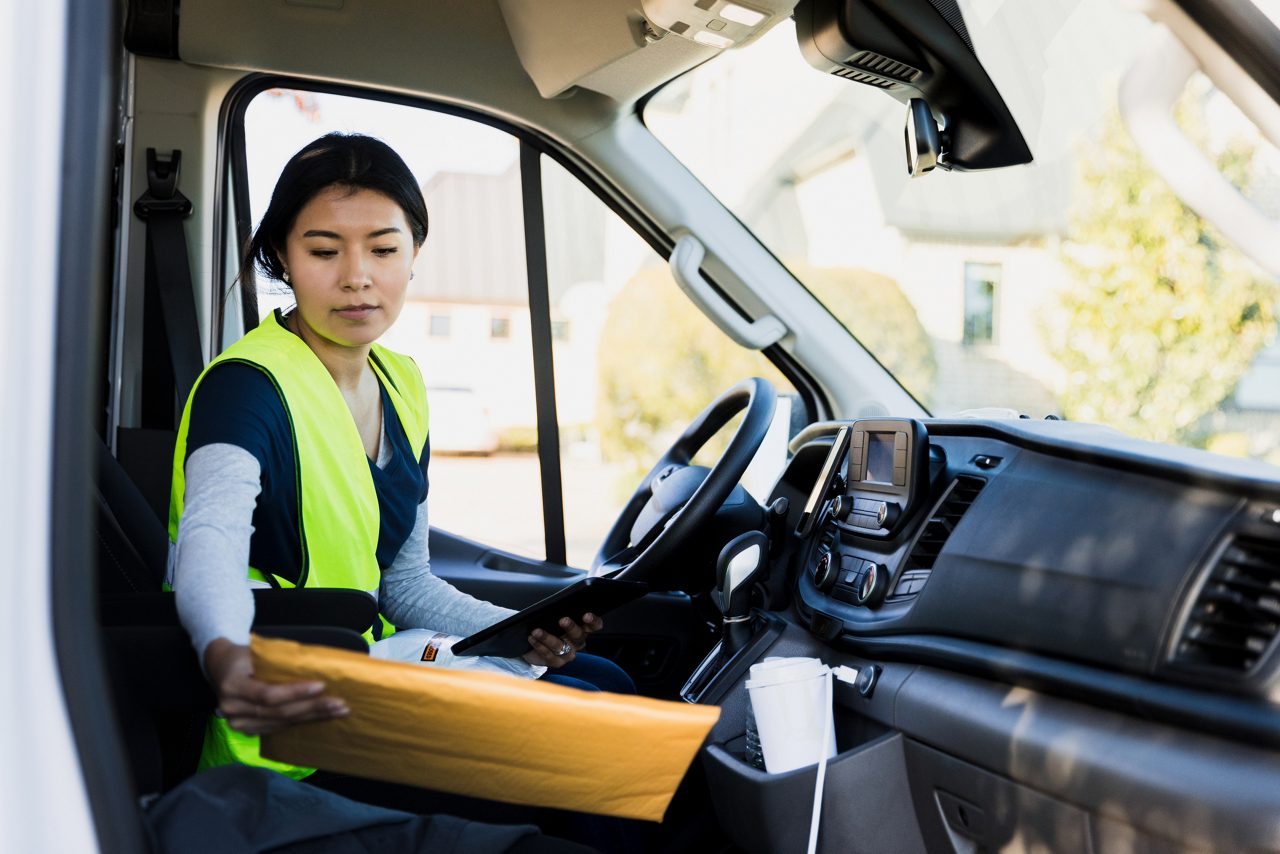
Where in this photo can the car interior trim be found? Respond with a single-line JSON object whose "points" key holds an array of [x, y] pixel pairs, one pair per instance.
{"points": [[1240, 718], [84, 242]]}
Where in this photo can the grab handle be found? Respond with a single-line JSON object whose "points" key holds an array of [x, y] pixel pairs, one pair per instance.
{"points": [[686, 258]]}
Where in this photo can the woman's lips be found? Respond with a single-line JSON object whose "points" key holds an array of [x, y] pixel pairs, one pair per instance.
{"points": [[356, 312]]}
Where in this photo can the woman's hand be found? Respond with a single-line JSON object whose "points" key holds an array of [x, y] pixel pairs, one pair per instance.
{"points": [[254, 707], [558, 650]]}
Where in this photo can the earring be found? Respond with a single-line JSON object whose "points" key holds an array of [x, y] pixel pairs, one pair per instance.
{"points": [[285, 276], [411, 275]]}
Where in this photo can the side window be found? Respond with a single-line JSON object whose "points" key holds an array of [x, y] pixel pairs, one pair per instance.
{"points": [[635, 361], [466, 319]]}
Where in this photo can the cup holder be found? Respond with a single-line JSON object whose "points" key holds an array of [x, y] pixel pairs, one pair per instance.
{"points": [[866, 803]]}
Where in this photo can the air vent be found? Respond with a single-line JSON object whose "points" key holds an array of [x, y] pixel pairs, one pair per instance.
{"points": [[963, 492], [883, 66], [860, 77], [1236, 615]]}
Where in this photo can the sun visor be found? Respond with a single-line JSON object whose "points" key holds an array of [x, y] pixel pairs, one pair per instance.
{"points": [[625, 49], [487, 735]]}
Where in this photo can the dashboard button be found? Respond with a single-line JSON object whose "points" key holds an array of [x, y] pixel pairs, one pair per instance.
{"points": [[868, 675]]}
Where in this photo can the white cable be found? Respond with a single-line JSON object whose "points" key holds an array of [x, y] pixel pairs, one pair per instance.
{"points": [[827, 727]]}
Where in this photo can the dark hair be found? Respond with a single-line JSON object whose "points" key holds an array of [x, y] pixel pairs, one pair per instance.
{"points": [[349, 160]]}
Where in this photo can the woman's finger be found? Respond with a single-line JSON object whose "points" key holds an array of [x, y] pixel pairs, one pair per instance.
{"points": [[262, 699], [551, 648], [573, 633], [591, 623], [255, 720], [300, 711], [273, 694]]}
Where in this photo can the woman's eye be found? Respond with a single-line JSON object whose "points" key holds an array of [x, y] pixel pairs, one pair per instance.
{"points": [[385, 250], [323, 253]]}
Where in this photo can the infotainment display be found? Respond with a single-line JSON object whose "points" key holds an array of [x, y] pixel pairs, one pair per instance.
{"points": [[879, 458], [888, 469]]}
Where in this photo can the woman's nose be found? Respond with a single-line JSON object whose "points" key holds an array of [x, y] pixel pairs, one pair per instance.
{"points": [[355, 275]]}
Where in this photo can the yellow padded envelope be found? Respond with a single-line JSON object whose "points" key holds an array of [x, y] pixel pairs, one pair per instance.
{"points": [[487, 735]]}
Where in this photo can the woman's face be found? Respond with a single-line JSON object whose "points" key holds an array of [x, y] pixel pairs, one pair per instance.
{"points": [[349, 257]]}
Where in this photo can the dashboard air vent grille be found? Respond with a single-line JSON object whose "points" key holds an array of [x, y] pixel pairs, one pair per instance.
{"points": [[1236, 616], [964, 491]]}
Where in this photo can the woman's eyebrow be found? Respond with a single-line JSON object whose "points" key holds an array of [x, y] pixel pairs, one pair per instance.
{"points": [[332, 235]]}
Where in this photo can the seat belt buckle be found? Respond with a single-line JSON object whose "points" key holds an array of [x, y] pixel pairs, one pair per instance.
{"points": [[162, 194]]}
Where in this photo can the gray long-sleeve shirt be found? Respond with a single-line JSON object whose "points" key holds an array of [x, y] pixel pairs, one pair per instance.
{"points": [[207, 564]]}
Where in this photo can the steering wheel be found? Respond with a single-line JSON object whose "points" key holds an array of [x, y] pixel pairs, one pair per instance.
{"points": [[674, 500]]}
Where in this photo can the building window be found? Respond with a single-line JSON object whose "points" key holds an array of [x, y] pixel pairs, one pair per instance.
{"points": [[981, 281], [559, 330], [500, 328], [439, 325]]}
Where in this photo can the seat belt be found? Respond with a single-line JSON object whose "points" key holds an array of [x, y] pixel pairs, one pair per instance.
{"points": [[169, 311]]}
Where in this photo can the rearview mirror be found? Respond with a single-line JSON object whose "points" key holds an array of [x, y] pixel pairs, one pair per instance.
{"points": [[924, 145], [916, 49]]}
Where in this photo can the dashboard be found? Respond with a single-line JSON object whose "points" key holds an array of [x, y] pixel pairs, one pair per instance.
{"points": [[1063, 555]]}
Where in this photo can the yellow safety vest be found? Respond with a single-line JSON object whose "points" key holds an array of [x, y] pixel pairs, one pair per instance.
{"points": [[338, 512]]}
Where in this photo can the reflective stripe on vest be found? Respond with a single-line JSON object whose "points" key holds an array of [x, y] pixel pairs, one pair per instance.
{"points": [[338, 515]]}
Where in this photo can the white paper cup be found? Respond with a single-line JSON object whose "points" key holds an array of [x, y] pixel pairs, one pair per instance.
{"points": [[789, 699]]}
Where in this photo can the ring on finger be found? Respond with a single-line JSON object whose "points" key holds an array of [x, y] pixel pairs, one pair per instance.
{"points": [[565, 648]]}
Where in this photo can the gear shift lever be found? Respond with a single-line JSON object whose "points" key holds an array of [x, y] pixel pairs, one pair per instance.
{"points": [[739, 566]]}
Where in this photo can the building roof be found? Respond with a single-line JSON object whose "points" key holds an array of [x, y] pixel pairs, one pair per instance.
{"points": [[475, 249]]}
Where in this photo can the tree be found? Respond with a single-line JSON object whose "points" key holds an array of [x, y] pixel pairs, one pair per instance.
{"points": [[1163, 316], [662, 361]]}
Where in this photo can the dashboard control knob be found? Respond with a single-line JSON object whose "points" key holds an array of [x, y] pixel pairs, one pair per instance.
{"points": [[826, 572], [841, 507], [871, 588], [868, 675]]}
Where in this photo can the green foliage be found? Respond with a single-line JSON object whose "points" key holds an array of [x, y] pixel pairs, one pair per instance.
{"points": [[518, 440], [1163, 316], [662, 361], [874, 309]]}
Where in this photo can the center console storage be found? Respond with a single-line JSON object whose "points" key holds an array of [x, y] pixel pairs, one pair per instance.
{"points": [[866, 805]]}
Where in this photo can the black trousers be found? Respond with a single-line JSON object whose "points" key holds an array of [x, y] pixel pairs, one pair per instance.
{"points": [[603, 833]]}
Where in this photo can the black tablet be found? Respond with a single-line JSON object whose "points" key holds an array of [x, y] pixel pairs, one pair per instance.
{"points": [[510, 638]]}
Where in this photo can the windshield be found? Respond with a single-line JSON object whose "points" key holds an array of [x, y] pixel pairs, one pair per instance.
{"points": [[1078, 286]]}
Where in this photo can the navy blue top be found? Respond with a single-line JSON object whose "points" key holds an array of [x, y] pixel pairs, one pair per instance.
{"points": [[237, 404]]}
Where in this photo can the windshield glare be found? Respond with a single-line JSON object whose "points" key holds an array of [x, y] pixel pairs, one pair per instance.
{"points": [[1078, 286]]}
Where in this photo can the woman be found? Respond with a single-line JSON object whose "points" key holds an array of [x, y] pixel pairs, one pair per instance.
{"points": [[302, 452]]}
